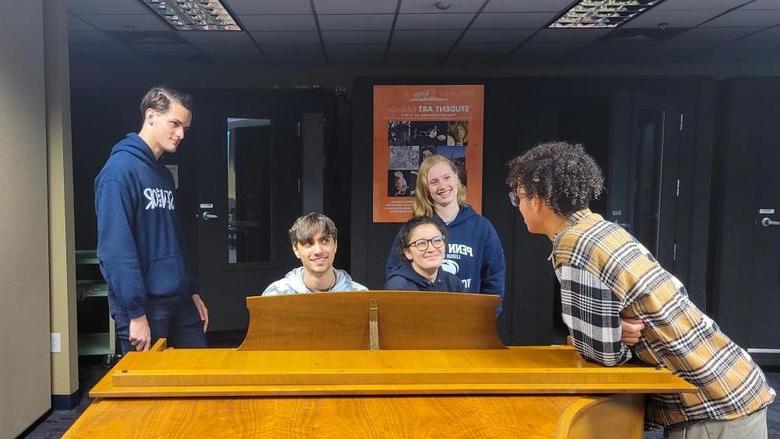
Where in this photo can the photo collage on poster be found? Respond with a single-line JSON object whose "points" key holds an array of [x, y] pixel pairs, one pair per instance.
{"points": [[410, 142]]}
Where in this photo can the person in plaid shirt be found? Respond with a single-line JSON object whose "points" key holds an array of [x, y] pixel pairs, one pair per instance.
{"points": [[619, 303]]}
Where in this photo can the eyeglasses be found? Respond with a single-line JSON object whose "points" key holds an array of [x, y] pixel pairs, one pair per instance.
{"points": [[514, 198], [422, 244]]}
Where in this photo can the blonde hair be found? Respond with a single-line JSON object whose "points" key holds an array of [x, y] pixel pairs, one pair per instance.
{"points": [[423, 202]]}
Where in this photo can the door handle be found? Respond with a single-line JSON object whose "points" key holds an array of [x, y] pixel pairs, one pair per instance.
{"points": [[766, 222], [206, 215]]}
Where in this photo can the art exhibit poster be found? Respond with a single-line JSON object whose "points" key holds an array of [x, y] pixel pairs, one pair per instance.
{"points": [[412, 122]]}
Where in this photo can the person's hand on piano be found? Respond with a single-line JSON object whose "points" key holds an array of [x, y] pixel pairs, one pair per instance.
{"points": [[140, 335], [202, 310], [631, 330]]}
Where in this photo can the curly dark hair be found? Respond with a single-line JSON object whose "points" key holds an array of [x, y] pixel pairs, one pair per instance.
{"points": [[560, 173]]}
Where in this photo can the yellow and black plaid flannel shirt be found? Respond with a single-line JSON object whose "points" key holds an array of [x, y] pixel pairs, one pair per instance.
{"points": [[606, 274]]}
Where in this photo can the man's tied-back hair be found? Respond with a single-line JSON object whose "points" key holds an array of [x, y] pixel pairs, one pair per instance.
{"points": [[560, 173], [159, 98], [307, 226]]}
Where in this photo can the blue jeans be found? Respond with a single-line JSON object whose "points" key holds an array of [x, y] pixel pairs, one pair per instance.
{"points": [[175, 318]]}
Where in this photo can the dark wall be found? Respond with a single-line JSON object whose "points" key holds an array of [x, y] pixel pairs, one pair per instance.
{"points": [[520, 113], [100, 118], [745, 263]]}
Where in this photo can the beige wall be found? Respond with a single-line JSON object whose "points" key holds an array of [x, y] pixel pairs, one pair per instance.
{"points": [[24, 255], [64, 364]]}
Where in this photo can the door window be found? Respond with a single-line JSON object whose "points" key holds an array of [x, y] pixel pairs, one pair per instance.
{"points": [[249, 145]]}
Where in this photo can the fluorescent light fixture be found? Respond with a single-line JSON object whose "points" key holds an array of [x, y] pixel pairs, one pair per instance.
{"points": [[191, 15], [602, 13]]}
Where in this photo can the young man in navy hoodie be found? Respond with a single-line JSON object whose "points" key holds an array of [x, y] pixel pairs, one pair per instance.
{"points": [[152, 292]]}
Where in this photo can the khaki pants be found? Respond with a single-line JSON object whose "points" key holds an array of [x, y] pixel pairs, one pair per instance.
{"points": [[747, 427]]}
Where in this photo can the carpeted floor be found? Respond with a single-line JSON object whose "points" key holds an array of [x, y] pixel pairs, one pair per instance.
{"points": [[92, 368]]}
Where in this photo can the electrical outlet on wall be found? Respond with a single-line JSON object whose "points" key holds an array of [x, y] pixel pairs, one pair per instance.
{"points": [[56, 342]]}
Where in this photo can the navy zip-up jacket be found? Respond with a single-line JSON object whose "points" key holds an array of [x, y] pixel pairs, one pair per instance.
{"points": [[139, 241], [406, 279], [474, 254]]}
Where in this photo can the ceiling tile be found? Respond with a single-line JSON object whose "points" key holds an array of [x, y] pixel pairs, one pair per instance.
{"points": [[216, 37], [607, 52], [297, 59], [425, 36], [106, 7], [147, 37], [529, 20], [101, 49], [76, 24], [373, 59], [105, 54], [356, 49], [356, 22], [715, 34], [355, 6], [433, 50], [238, 61], [502, 49], [429, 6], [228, 49], [287, 37], [723, 55], [567, 35], [539, 57], [432, 21], [674, 46], [747, 18], [166, 49], [90, 37], [300, 49], [515, 36], [527, 6], [356, 37], [699, 4], [110, 22], [413, 59], [673, 18], [553, 49], [269, 6], [468, 58], [763, 4], [772, 33], [751, 43], [278, 22], [764, 59]]}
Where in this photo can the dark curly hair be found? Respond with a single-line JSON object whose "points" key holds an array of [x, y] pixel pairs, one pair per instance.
{"points": [[560, 173]]}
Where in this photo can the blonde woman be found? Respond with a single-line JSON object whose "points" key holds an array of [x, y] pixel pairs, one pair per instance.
{"points": [[473, 251]]}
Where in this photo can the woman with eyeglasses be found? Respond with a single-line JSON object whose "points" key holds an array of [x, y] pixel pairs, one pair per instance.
{"points": [[422, 246], [473, 251]]}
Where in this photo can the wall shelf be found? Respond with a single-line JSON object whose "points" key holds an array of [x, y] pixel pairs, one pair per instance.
{"points": [[92, 290]]}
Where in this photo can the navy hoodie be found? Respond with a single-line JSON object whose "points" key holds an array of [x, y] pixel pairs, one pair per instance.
{"points": [[474, 254], [139, 240], [406, 279]]}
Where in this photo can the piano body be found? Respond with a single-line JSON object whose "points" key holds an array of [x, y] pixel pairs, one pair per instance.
{"points": [[370, 364]]}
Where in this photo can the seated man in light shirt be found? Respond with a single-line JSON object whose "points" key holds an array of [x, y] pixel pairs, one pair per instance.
{"points": [[314, 240]]}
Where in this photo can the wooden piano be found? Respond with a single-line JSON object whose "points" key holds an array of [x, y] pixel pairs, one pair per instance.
{"points": [[370, 364]]}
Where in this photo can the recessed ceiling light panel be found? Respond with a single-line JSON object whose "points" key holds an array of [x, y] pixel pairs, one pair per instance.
{"points": [[602, 13], [194, 15]]}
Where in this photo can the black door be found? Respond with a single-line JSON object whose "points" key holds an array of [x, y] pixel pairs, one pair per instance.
{"points": [[765, 287], [248, 195], [642, 179]]}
